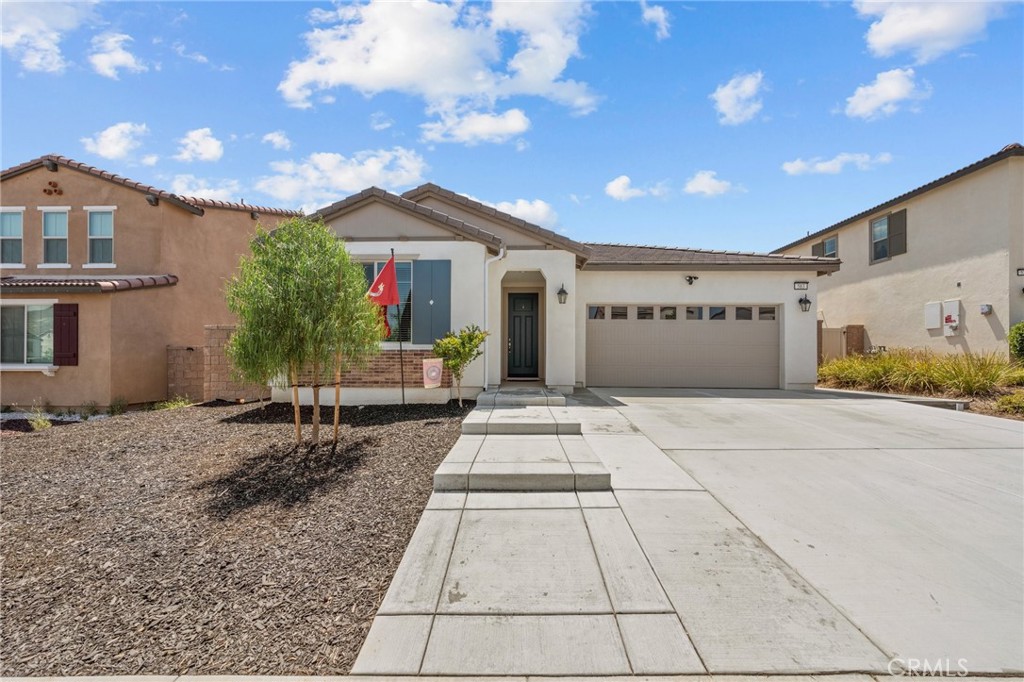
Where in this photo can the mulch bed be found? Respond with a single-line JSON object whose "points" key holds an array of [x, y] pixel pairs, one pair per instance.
{"points": [[203, 541]]}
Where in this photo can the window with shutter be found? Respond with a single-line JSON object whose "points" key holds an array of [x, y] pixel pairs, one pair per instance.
{"points": [[38, 334], [888, 236]]}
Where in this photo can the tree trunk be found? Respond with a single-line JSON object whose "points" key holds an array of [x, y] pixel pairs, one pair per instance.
{"points": [[293, 374], [337, 395], [316, 403], [458, 387]]}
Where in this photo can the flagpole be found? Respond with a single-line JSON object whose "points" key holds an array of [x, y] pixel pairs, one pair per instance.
{"points": [[401, 352]]}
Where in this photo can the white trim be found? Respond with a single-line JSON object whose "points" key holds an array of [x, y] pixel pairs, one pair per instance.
{"points": [[12, 209], [99, 266], [99, 208], [54, 209], [48, 370], [54, 266], [29, 301], [12, 266]]}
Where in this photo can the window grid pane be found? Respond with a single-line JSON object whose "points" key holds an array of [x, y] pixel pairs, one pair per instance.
{"points": [[668, 312], [744, 312], [595, 312], [55, 250], [645, 312], [831, 247], [766, 313], [10, 225], [55, 224], [716, 312], [694, 312], [619, 312], [12, 334], [101, 250], [400, 330], [10, 251], [39, 335], [101, 224]]}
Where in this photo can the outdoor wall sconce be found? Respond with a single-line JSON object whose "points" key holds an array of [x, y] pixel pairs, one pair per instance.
{"points": [[690, 279], [805, 303], [562, 294]]}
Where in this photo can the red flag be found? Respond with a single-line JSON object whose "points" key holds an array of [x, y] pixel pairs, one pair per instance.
{"points": [[384, 292]]}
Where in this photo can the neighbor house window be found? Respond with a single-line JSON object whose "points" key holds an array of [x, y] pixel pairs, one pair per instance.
{"points": [[11, 235], [55, 235], [766, 312], [619, 312], [828, 247], [101, 235], [888, 236], [645, 312], [595, 312], [716, 312], [668, 312], [26, 334], [694, 312], [744, 312]]}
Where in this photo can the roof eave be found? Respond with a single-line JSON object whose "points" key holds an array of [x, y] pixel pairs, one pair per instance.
{"points": [[788, 266]]}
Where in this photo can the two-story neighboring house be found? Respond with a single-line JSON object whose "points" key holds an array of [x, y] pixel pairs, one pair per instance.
{"points": [[100, 274], [939, 267]]}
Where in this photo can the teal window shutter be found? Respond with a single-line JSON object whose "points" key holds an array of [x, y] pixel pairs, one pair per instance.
{"points": [[431, 300]]}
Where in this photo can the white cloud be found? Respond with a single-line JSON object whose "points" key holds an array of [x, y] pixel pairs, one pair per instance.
{"points": [[926, 29], [885, 95], [622, 189], [737, 101], [109, 54], [324, 177], [476, 127], [657, 16], [278, 140], [117, 141], [538, 211], [198, 57], [835, 165], [707, 183], [31, 32], [385, 46], [380, 121], [191, 186], [150, 159], [201, 145]]}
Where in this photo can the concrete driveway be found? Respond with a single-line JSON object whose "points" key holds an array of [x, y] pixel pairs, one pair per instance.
{"points": [[746, 532], [908, 519]]}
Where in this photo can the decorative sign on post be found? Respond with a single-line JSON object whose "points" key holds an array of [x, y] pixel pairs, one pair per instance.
{"points": [[432, 370]]}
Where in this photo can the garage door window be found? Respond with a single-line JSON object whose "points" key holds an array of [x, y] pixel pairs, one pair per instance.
{"points": [[668, 312], [716, 313], [619, 312], [694, 312], [766, 313], [595, 312], [744, 312], [645, 312]]}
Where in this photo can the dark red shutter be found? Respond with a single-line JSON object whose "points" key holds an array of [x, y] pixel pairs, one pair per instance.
{"points": [[65, 334]]}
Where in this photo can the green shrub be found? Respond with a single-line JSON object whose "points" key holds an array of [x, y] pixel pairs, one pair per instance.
{"points": [[1014, 376], [1016, 339], [174, 403], [89, 409], [1013, 403], [904, 370], [117, 406], [38, 420]]}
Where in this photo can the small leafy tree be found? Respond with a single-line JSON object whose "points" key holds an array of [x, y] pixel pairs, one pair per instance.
{"points": [[300, 305], [458, 350]]}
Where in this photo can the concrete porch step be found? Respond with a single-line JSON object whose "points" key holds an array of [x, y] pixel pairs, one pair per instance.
{"points": [[513, 396], [533, 463], [522, 420]]}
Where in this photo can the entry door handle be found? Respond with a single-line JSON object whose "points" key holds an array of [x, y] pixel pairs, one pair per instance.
{"points": [[510, 344]]}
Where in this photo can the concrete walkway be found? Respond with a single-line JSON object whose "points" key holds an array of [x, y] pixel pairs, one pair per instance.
{"points": [[662, 575]]}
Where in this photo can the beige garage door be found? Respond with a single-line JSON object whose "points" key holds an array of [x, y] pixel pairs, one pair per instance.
{"points": [[683, 346]]}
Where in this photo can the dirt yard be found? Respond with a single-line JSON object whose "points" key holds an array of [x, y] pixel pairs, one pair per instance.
{"points": [[202, 541]]}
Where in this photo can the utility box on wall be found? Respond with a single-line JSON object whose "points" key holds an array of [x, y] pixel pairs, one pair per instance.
{"points": [[933, 315], [951, 318]]}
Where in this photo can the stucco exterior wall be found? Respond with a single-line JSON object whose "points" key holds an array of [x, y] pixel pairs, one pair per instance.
{"points": [[71, 386], [798, 342], [965, 241]]}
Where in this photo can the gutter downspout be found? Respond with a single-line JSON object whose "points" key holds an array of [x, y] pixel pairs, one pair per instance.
{"points": [[487, 343]]}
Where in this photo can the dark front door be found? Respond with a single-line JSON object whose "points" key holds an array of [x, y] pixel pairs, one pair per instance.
{"points": [[523, 318]]}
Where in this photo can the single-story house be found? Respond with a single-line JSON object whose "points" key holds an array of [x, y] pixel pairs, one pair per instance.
{"points": [[567, 314], [938, 267]]}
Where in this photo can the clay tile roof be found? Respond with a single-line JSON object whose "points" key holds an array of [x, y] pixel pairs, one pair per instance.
{"points": [[84, 284], [576, 247], [1012, 149], [630, 256], [192, 204], [453, 224]]}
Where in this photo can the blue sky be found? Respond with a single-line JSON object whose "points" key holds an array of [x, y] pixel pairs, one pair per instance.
{"points": [[725, 125]]}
